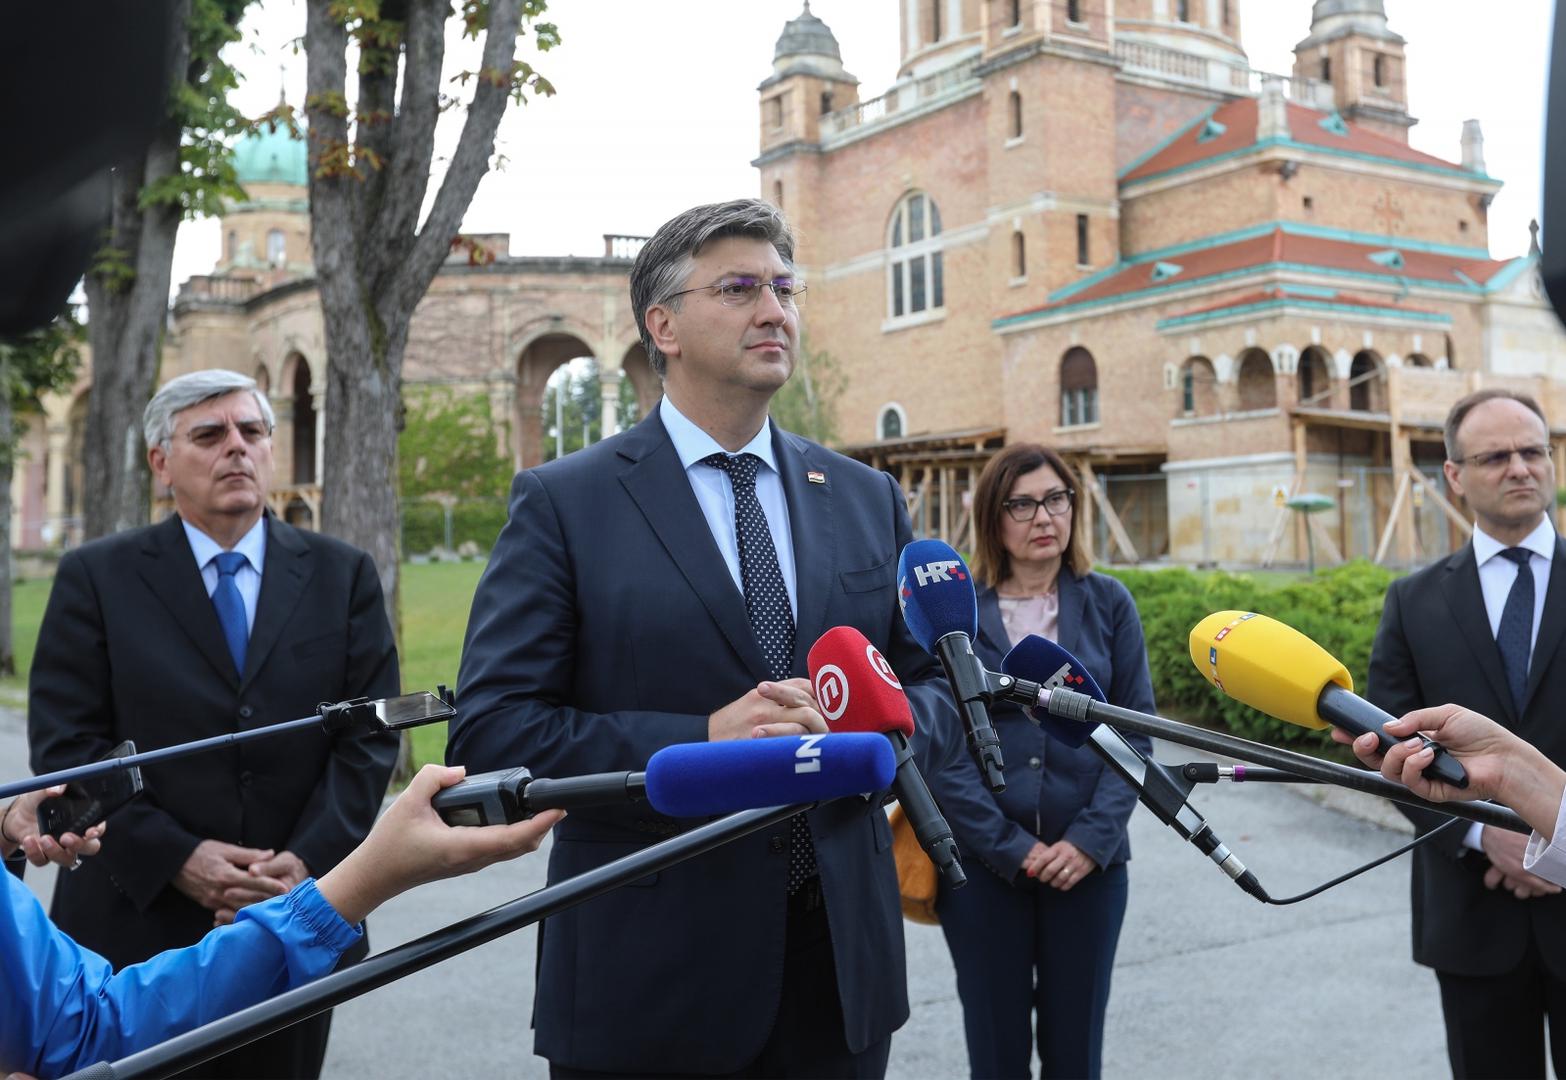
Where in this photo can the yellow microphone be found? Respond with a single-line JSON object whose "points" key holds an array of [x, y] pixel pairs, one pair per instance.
{"points": [[1275, 669]]}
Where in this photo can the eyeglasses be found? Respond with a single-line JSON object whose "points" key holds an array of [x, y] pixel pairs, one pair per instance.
{"points": [[1026, 508], [1499, 459], [210, 436], [744, 291]]}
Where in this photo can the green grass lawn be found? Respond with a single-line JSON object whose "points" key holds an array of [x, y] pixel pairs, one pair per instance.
{"points": [[28, 599], [435, 602]]}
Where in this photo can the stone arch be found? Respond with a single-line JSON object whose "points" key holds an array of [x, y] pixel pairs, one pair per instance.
{"points": [[263, 379], [1367, 382], [1313, 379], [1256, 381], [535, 364], [1198, 388], [648, 388], [1418, 360]]}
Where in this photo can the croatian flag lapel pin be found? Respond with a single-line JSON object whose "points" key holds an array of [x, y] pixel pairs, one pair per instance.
{"points": [[815, 476]]}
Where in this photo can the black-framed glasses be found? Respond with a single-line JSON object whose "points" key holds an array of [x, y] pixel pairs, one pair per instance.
{"points": [[209, 436], [1026, 508], [1499, 459], [745, 291]]}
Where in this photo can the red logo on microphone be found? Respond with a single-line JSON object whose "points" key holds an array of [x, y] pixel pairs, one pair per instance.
{"points": [[831, 687], [879, 665]]}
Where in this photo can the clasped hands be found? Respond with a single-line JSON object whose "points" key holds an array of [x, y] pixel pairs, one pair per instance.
{"points": [[226, 877], [785, 707]]}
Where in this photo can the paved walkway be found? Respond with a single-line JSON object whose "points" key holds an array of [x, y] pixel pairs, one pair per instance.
{"points": [[1208, 983]]}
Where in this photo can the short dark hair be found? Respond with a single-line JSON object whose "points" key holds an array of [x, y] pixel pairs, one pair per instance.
{"points": [[991, 562], [1460, 411], [665, 261]]}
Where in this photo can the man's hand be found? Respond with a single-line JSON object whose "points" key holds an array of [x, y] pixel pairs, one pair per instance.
{"points": [[19, 823], [1063, 865], [773, 708], [284, 868], [1505, 850], [215, 867]]}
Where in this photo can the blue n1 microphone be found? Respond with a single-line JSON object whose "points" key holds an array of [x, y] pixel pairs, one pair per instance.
{"points": [[1039, 666], [687, 780], [939, 604]]}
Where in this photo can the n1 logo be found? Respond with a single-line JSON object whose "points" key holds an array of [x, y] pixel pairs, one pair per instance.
{"points": [[831, 687], [807, 759], [941, 570]]}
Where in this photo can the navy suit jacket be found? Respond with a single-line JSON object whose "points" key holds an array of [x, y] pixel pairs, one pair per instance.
{"points": [[1434, 646], [1054, 791], [606, 627]]}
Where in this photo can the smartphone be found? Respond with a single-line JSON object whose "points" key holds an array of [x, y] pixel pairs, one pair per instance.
{"points": [[411, 710], [87, 802]]}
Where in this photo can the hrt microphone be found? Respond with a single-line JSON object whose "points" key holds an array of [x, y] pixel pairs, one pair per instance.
{"points": [[686, 780], [935, 591], [857, 690], [1275, 669], [1038, 658]]}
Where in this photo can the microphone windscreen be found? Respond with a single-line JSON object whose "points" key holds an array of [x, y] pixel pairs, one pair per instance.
{"points": [[856, 689], [1043, 661], [1266, 664], [703, 779], [936, 593]]}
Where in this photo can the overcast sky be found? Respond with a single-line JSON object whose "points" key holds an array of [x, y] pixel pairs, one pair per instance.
{"points": [[657, 110]]}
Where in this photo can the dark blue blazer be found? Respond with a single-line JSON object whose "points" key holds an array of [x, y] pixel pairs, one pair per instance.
{"points": [[1054, 791], [607, 627]]}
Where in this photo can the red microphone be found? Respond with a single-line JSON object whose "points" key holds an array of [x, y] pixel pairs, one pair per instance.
{"points": [[857, 690]]}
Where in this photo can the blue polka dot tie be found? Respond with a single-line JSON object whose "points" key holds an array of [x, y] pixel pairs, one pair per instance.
{"points": [[231, 606], [771, 618], [1514, 637]]}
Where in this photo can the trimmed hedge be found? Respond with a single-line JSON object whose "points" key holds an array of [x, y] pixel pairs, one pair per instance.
{"points": [[424, 524], [1338, 608]]}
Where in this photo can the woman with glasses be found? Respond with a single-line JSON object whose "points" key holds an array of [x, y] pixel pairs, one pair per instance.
{"points": [[1033, 933]]}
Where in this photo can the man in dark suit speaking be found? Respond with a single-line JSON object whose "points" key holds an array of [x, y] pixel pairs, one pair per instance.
{"points": [[664, 586], [1483, 629], [218, 619]]}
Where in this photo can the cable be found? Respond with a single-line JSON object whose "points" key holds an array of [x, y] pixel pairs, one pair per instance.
{"points": [[1410, 846]]}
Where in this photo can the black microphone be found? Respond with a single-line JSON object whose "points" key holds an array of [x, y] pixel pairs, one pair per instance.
{"points": [[857, 691], [941, 609]]}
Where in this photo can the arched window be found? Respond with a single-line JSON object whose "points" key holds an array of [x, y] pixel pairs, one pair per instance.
{"points": [[1183, 11], [892, 423], [1326, 69], [1016, 115], [1378, 68], [1019, 255], [1419, 360], [935, 19], [1367, 380], [1074, 11], [1078, 388], [276, 247], [1314, 379], [1016, 12], [1198, 388], [777, 194], [233, 245], [915, 274], [1258, 389], [826, 102]]}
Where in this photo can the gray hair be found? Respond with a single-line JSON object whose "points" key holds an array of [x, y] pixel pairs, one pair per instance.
{"points": [[1460, 411], [177, 395], [666, 261]]}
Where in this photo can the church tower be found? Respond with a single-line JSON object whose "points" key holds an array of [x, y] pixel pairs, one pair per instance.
{"points": [[1351, 48], [808, 81]]}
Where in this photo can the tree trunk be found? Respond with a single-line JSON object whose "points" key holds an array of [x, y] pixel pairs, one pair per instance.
{"points": [[128, 304]]}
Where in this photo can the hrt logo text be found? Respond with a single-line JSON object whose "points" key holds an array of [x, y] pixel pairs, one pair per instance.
{"points": [[942, 570]]}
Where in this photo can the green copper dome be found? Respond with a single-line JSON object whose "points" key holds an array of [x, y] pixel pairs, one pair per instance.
{"points": [[272, 157]]}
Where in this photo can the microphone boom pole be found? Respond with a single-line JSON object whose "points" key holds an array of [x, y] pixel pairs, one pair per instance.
{"points": [[219, 1036], [1074, 706]]}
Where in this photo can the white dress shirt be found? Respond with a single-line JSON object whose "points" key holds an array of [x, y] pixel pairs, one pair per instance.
{"points": [[715, 494], [1496, 576], [1548, 859], [248, 577]]}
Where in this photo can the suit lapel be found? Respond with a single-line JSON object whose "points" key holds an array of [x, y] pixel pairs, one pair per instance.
{"points": [[289, 566], [1073, 601], [656, 482], [1552, 624], [992, 628], [1460, 586], [811, 524], [169, 569]]}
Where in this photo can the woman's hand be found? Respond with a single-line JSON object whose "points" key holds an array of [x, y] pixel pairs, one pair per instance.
{"points": [[19, 829]]}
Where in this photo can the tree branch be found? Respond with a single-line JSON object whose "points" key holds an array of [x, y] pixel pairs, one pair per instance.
{"points": [[471, 160], [414, 143], [326, 66]]}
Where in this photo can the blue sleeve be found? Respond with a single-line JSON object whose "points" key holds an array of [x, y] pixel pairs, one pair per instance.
{"points": [[1097, 831], [66, 1008]]}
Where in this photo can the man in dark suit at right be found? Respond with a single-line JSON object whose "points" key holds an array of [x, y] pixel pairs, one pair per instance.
{"points": [[1483, 628]]}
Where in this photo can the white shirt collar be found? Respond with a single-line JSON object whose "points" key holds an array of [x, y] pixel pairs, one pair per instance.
{"points": [[1541, 542], [252, 545], [693, 444]]}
